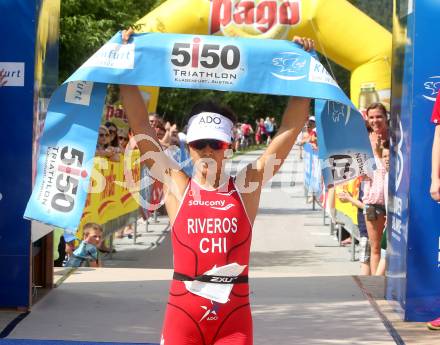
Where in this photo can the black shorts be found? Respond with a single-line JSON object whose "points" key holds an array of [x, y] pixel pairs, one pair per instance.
{"points": [[372, 211]]}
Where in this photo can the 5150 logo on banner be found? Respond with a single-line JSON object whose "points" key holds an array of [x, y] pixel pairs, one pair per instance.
{"points": [[62, 175], [205, 63], [198, 54]]}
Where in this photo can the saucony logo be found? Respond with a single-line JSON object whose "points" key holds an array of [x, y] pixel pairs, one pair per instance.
{"points": [[214, 204], [225, 208]]}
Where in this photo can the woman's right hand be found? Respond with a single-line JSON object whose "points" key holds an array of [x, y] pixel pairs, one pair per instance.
{"points": [[376, 143], [126, 34]]}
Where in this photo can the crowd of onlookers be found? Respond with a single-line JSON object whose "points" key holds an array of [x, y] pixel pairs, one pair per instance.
{"points": [[262, 133]]}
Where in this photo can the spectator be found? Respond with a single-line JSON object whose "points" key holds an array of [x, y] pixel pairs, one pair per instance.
{"points": [[173, 142], [257, 133], [260, 132], [374, 197], [268, 126], [103, 148], [174, 133], [103, 139], [113, 131], [310, 134], [237, 135], [435, 176], [154, 120], [246, 131], [160, 132], [364, 245], [87, 254], [300, 141], [383, 244], [123, 139], [275, 126]]}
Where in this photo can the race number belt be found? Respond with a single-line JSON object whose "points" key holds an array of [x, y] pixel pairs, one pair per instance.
{"points": [[212, 279]]}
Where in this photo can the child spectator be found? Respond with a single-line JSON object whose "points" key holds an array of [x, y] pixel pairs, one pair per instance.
{"points": [[364, 244], [87, 254]]}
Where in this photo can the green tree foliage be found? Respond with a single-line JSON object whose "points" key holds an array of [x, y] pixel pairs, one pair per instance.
{"points": [[380, 11], [175, 104], [86, 25]]}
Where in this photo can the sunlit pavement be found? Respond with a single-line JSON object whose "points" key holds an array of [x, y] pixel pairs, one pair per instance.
{"points": [[303, 289]]}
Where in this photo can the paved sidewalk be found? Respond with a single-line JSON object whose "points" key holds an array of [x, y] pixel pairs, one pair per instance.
{"points": [[302, 285]]}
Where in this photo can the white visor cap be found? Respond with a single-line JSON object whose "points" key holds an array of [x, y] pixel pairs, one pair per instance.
{"points": [[209, 126]]}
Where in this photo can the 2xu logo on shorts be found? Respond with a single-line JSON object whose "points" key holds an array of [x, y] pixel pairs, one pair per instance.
{"points": [[210, 56], [263, 15]]}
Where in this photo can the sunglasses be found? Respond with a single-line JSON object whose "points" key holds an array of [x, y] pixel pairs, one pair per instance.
{"points": [[102, 135], [212, 143], [123, 138]]}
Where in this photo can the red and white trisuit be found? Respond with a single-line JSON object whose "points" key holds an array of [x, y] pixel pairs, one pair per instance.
{"points": [[211, 229]]}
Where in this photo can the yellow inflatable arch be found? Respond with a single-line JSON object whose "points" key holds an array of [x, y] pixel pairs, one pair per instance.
{"points": [[343, 33]]}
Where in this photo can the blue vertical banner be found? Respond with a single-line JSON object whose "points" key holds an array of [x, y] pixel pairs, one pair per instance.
{"points": [[335, 125], [308, 165], [312, 171], [413, 275], [29, 60]]}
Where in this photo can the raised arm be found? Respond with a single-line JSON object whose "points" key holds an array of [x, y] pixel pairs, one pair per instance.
{"points": [[160, 165], [251, 180], [138, 119]]}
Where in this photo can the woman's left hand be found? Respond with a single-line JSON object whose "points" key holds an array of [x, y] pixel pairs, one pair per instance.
{"points": [[307, 43]]}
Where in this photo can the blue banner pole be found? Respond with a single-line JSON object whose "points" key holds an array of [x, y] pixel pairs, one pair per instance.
{"points": [[413, 274]]}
